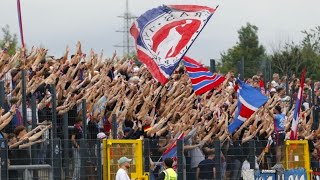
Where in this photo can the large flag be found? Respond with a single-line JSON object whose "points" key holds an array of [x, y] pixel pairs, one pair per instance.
{"points": [[295, 121], [201, 78], [250, 100], [171, 152], [163, 35]]}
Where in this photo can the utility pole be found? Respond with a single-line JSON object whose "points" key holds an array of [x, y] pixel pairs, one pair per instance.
{"points": [[127, 20]]}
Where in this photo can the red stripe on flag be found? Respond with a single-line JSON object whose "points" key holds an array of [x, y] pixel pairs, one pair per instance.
{"points": [[210, 86], [192, 61], [192, 8], [196, 69], [203, 78], [245, 111], [134, 31], [152, 66], [293, 134]]}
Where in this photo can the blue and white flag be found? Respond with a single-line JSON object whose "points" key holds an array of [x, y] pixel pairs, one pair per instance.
{"points": [[250, 100]]}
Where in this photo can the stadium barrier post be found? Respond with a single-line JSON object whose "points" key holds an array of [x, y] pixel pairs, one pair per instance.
{"points": [[180, 159], [24, 98], [217, 148], [66, 144], [2, 94]]}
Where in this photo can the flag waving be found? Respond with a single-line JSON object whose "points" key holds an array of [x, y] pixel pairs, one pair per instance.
{"points": [[295, 121], [250, 100], [201, 78], [163, 35]]}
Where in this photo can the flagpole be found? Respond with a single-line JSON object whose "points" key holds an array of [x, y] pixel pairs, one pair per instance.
{"points": [[20, 23]]}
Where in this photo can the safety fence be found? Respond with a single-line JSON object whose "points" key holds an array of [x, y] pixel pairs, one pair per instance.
{"points": [[98, 159]]}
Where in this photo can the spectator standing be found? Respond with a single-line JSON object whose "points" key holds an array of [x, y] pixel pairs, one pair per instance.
{"points": [[168, 173], [206, 169], [278, 134], [76, 135], [122, 173]]}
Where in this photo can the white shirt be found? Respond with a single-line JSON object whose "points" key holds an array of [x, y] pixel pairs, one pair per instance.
{"points": [[122, 175]]}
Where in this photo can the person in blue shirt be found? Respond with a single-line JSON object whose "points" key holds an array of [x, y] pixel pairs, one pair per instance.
{"points": [[278, 133]]}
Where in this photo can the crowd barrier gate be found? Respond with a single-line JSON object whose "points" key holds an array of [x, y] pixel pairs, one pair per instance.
{"points": [[114, 149], [297, 155]]}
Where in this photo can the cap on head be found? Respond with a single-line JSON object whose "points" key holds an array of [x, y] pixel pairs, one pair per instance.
{"points": [[123, 160], [101, 135]]}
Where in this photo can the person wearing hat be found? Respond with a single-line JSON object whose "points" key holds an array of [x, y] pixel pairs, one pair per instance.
{"points": [[278, 134], [124, 164], [168, 173]]}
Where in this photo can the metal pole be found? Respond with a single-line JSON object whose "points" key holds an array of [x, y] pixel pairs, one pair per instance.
{"points": [[3, 159], [264, 77], [217, 148], [24, 98], [66, 144], [270, 71], [313, 99], [252, 154], [34, 149], [99, 166], [180, 159], [287, 83], [54, 111], [83, 143], [57, 163], [212, 65], [114, 126], [239, 69], [34, 111], [2, 94], [242, 69], [84, 118], [146, 154]]}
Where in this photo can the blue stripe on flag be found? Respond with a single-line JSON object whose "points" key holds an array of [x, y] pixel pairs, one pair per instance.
{"points": [[203, 83], [189, 64], [170, 154], [234, 125], [198, 74]]}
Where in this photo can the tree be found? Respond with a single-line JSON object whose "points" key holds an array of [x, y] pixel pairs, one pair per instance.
{"points": [[292, 58], [287, 60], [311, 51], [248, 48], [8, 39]]}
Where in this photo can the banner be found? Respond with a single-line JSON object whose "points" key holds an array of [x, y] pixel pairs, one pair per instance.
{"points": [[163, 35]]}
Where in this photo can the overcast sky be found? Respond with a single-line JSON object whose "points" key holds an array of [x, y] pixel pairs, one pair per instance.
{"points": [[56, 23]]}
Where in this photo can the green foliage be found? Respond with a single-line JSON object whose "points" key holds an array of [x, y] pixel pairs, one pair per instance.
{"points": [[247, 48], [8, 39], [294, 57]]}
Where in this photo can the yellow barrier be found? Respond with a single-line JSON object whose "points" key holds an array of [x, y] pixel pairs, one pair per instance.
{"points": [[114, 150], [297, 155]]}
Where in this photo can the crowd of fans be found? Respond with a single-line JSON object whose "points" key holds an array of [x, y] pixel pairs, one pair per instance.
{"points": [[145, 109]]}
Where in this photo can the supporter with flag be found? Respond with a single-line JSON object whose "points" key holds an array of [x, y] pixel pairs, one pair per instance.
{"points": [[279, 133]]}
